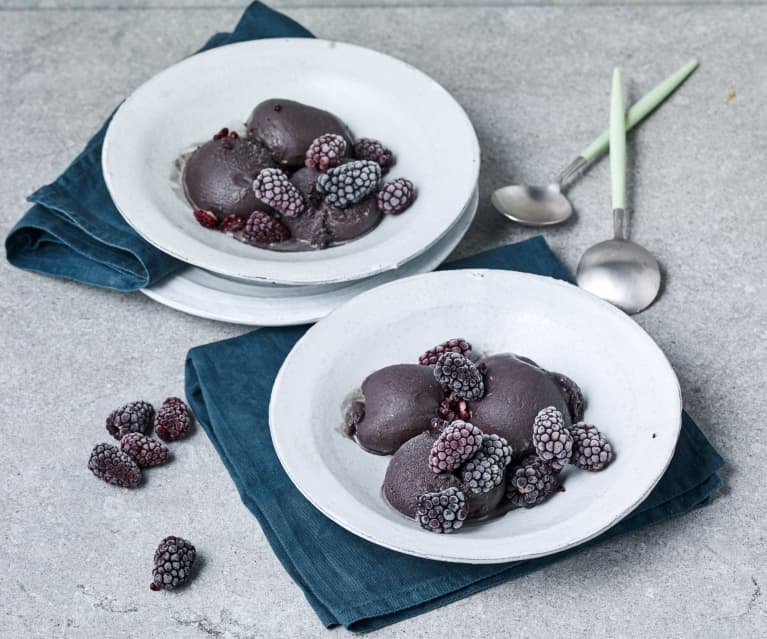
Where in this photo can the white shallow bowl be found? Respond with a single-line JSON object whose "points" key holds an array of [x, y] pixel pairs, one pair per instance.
{"points": [[212, 296], [376, 95], [632, 393]]}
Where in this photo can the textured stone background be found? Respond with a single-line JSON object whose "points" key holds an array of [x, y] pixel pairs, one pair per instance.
{"points": [[534, 77]]}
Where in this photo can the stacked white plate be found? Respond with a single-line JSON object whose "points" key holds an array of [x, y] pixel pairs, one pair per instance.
{"points": [[376, 95]]}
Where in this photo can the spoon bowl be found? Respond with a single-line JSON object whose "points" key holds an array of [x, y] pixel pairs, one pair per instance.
{"points": [[620, 272], [532, 205], [547, 205]]}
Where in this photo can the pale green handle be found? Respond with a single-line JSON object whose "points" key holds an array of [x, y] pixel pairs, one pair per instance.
{"points": [[641, 108], [618, 142]]}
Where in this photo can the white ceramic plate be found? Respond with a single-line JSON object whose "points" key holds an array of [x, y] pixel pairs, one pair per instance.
{"points": [[376, 95], [204, 294], [632, 393]]}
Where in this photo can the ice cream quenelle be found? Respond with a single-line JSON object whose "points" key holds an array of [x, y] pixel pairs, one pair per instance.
{"points": [[473, 437], [218, 176], [296, 180]]}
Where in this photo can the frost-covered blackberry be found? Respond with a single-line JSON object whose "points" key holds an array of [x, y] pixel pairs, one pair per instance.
{"points": [[481, 473], [455, 444], [552, 441], [591, 450], [135, 417], [531, 482], [369, 149], [349, 183], [173, 419], [498, 448], [274, 189], [145, 451], [443, 511], [173, 562], [262, 228], [113, 466], [325, 152], [396, 196], [460, 375], [455, 345]]}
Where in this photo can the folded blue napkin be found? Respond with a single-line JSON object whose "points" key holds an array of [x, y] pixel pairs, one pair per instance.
{"points": [[348, 580], [73, 229]]}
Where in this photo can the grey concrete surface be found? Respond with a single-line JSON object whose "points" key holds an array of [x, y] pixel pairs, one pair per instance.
{"points": [[75, 553]]}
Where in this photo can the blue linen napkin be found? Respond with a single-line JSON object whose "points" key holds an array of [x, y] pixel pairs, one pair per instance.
{"points": [[348, 580], [73, 229]]}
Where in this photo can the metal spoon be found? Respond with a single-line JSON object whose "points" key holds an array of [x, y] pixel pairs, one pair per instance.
{"points": [[546, 205], [618, 270]]}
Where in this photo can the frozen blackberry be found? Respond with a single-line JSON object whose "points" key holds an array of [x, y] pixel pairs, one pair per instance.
{"points": [[591, 450], [135, 417], [396, 196], [262, 228], [173, 561], [456, 345], [173, 420], [460, 375], [349, 183], [205, 218], [455, 444], [325, 152], [368, 149], [498, 448], [144, 450], [113, 466], [442, 512], [273, 188], [531, 482], [552, 441], [232, 223], [573, 395], [453, 407], [481, 473]]}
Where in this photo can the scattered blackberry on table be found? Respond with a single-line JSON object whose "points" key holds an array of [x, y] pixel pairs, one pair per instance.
{"points": [[591, 450], [325, 152], [460, 375], [442, 512], [145, 451], [273, 188], [396, 196], [173, 562], [456, 345], [552, 441], [262, 228], [135, 417], [531, 482], [208, 219], [481, 473], [173, 420], [232, 223], [457, 443], [454, 407], [498, 448], [113, 466], [369, 149], [349, 183], [573, 395]]}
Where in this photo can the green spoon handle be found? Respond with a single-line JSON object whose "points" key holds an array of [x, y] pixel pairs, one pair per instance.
{"points": [[641, 108], [617, 142]]}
